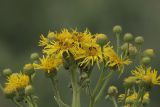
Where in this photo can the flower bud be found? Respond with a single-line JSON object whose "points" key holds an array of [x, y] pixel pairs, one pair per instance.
{"points": [[124, 47], [101, 39], [51, 36], [149, 53], [8, 93], [130, 81], [34, 56], [7, 72], [128, 37], [117, 29], [139, 40], [28, 69], [132, 51], [112, 91], [146, 60], [29, 90]]}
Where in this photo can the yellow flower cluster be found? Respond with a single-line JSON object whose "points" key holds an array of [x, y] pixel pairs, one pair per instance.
{"points": [[82, 46], [16, 81]]}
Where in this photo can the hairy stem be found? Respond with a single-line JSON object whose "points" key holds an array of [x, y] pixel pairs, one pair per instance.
{"points": [[75, 87]]}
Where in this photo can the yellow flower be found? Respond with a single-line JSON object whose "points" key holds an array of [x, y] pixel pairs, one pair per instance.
{"points": [[113, 60], [48, 63], [89, 54], [43, 41], [61, 43], [15, 82], [63, 35], [147, 75], [132, 97], [82, 38]]}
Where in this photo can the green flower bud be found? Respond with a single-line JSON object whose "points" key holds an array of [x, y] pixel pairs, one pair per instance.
{"points": [[28, 69], [112, 91], [34, 56], [29, 90], [132, 51], [149, 53], [7, 72], [51, 36], [146, 60], [101, 39], [130, 81], [139, 40], [128, 37], [124, 47], [117, 29]]}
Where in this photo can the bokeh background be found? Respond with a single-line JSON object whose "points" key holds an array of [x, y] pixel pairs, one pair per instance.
{"points": [[22, 22]]}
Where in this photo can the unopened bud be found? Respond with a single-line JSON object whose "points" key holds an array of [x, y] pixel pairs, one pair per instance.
{"points": [[132, 51], [28, 69], [34, 56], [101, 39], [51, 36], [139, 40], [130, 81], [29, 90], [112, 91], [117, 29], [146, 60], [128, 37], [149, 53], [7, 72], [124, 47]]}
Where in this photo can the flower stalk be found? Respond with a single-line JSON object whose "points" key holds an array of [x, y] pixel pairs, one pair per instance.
{"points": [[75, 87]]}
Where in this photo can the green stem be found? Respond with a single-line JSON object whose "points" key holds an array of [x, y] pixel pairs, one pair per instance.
{"points": [[75, 86], [108, 77], [32, 102], [17, 103], [100, 87], [97, 87], [114, 102], [57, 94], [118, 42]]}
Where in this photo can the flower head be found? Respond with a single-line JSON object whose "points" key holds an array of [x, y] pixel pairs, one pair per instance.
{"points": [[48, 63], [15, 82], [148, 75], [113, 60], [89, 54], [43, 41]]}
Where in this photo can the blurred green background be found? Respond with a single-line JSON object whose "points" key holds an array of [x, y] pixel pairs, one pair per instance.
{"points": [[22, 22]]}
